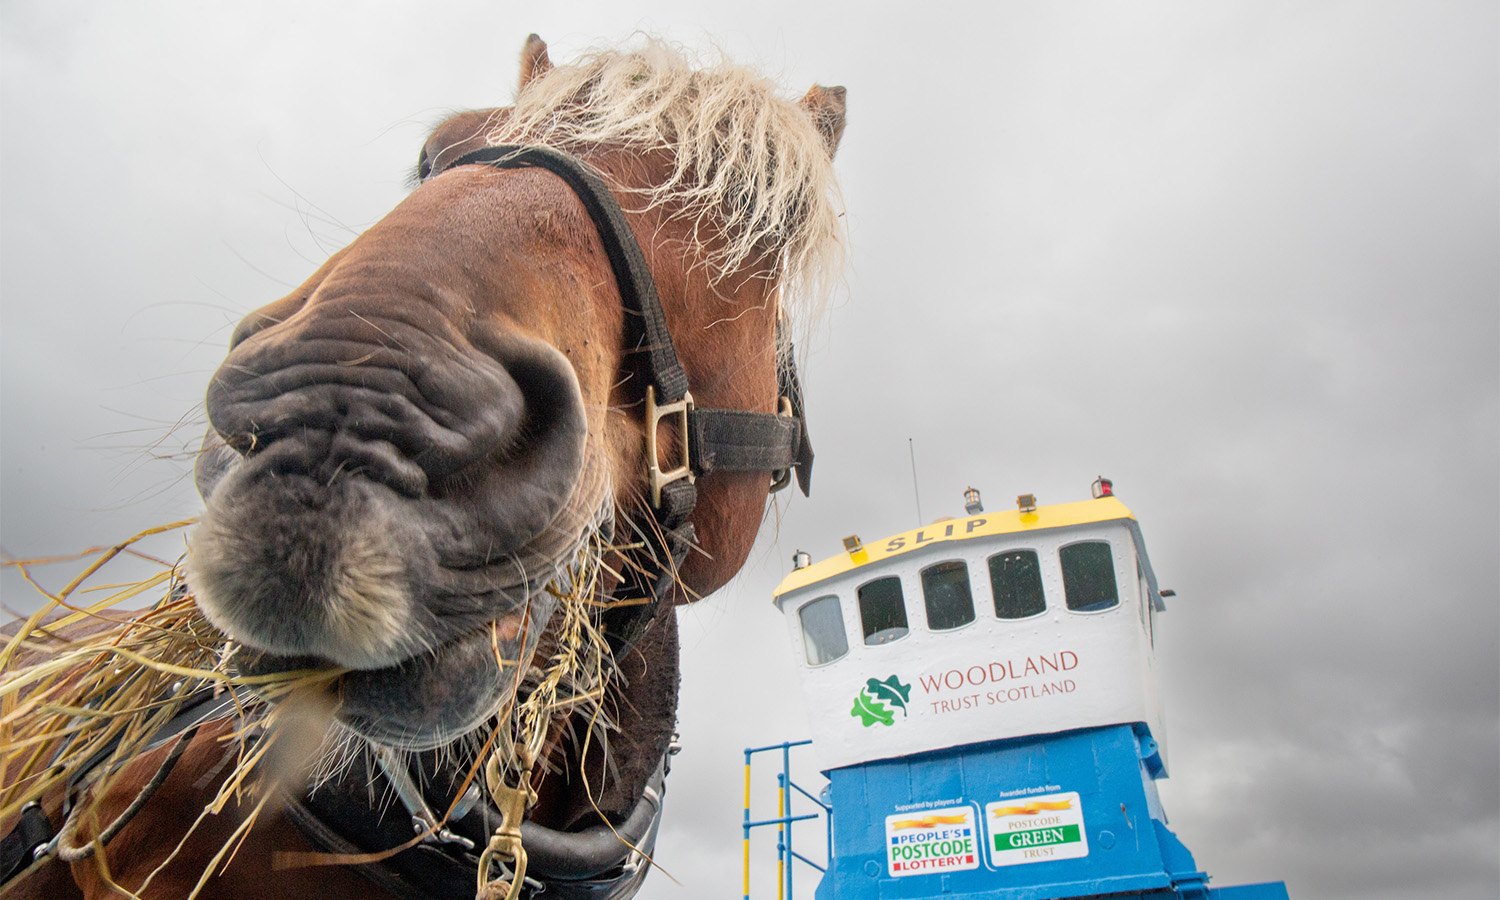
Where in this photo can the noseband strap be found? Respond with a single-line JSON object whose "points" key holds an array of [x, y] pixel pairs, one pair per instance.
{"points": [[602, 862]]}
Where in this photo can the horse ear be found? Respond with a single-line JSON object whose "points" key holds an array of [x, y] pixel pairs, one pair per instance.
{"points": [[534, 61], [826, 106]]}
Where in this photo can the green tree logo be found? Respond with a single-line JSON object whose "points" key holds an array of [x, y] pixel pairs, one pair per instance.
{"points": [[873, 704]]}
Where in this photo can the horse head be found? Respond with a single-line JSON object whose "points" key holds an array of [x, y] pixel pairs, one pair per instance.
{"points": [[410, 453]]}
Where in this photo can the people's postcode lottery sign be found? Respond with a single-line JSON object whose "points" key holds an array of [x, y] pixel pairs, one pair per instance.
{"points": [[1035, 829], [931, 841]]}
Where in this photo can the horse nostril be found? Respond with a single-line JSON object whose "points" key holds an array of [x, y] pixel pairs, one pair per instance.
{"points": [[408, 418], [505, 423]]}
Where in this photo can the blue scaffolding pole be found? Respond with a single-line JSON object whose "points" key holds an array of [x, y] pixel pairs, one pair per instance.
{"points": [[785, 854]]}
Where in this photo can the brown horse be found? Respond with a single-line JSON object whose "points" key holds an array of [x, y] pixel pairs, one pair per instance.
{"points": [[460, 418]]}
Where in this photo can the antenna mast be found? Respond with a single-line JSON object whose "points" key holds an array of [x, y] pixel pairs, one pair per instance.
{"points": [[916, 492]]}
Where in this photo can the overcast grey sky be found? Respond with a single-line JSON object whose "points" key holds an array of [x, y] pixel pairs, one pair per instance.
{"points": [[1241, 257]]}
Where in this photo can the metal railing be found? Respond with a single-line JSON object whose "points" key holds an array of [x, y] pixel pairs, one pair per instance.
{"points": [[785, 854]]}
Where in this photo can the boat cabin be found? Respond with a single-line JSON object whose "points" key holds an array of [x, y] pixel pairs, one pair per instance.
{"points": [[985, 703], [997, 625]]}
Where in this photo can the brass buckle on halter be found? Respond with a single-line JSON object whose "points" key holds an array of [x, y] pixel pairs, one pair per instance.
{"points": [[505, 846], [655, 414], [780, 478]]}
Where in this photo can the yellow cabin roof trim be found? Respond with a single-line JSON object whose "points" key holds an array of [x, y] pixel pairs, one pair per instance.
{"points": [[1010, 521]]}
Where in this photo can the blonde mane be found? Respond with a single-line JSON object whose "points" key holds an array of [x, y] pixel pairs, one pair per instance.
{"points": [[748, 165]]}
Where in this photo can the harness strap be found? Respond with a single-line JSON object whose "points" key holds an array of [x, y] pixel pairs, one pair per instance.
{"points": [[632, 274], [791, 388], [598, 863], [722, 440], [68, 848], [715, 439], [18, 849], [728, 440], [32, 837]]}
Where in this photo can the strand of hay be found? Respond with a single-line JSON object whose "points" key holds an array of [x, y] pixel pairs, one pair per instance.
{"points": [[84, 681], [575, 677]]}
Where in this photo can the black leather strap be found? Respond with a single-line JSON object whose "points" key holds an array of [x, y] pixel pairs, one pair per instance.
{"points": [[18, 848], [728, 440], [791, 388], [718, 440], [632, 274], [723, 440], [594, 864]]}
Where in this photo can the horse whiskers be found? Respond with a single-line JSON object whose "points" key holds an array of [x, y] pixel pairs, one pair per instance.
{"points": [[547, 701], [128, 680], [650, 541], [575, 676]]}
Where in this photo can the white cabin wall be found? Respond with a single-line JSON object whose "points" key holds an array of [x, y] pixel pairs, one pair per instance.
{"points": [[1114, 680]]}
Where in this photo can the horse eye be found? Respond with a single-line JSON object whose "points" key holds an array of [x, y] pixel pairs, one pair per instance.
{"points": [[424, 166]]}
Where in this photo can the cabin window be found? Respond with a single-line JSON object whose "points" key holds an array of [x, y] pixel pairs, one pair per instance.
{"points": [[945, 589], [1088, 571], [1016, 582], [882, 610], [823, 637]]}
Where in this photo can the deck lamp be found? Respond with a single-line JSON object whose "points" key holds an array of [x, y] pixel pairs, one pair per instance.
{"points": [[972, 506], [1026, 503], [1103, 487], [801, 560], [852, 544]]}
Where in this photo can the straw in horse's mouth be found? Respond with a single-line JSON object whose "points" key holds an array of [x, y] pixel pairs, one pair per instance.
{"points": [[138, 672]]}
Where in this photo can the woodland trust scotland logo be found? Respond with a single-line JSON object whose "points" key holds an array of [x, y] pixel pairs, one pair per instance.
{"points": [[875, 702]]}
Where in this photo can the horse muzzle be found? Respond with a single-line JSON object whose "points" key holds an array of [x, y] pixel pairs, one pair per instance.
{"points": [[392, 512]]}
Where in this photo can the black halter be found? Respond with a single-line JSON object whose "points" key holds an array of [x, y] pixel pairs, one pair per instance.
{"points": [[713, 440], [602, 862]]}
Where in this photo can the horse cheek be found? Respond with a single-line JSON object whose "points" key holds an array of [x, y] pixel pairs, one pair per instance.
{"points": [[730, 508]]}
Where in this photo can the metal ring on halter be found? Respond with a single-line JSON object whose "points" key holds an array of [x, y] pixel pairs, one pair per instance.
{"points": [[780, 478]]}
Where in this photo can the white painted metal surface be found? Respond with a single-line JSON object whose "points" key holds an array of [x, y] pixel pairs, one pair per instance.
{"points": [[989, 679]]}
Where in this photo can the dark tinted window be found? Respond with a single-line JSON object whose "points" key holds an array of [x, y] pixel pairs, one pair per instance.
{"points": [[823, 636], [882, 610], [945, 589], [1088, 571], [1016, 581]]}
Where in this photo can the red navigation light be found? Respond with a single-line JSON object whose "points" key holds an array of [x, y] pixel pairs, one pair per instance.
{"points": [[1103, 487]]}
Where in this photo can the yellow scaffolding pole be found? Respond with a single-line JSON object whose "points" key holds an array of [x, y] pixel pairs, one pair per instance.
{"points": [[783, 822], [747, 830]]}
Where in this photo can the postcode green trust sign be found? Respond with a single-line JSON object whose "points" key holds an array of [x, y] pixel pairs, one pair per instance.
{"points": [[1038, 837], [1035, 827]]}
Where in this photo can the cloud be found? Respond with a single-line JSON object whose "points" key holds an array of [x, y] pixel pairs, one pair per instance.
{"points": [[1241, 258]]}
